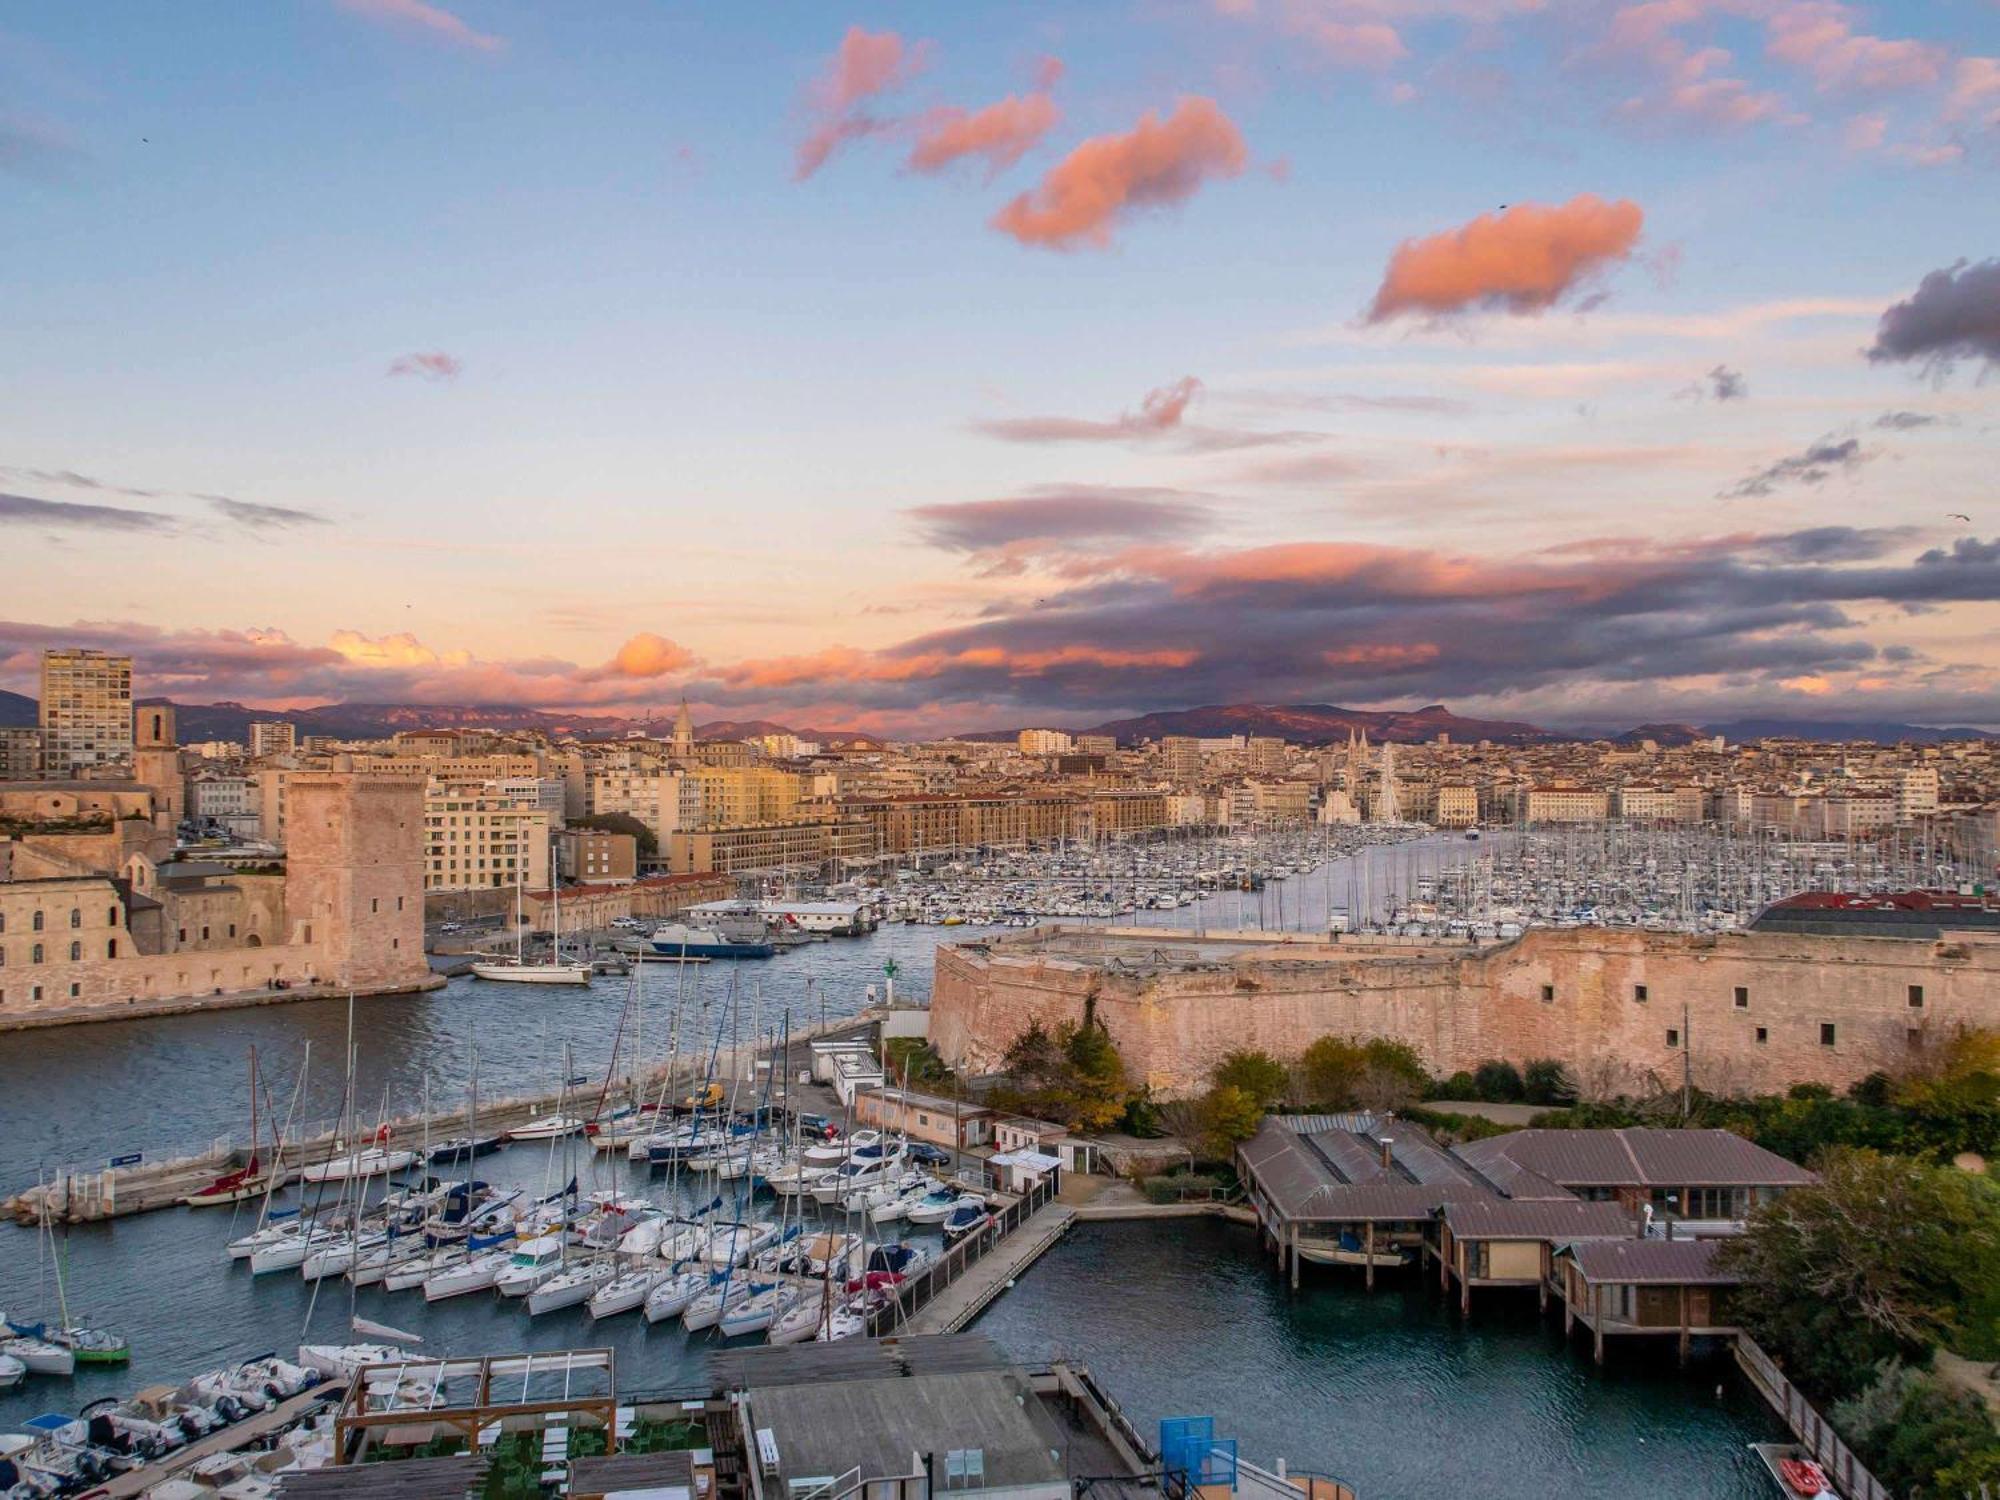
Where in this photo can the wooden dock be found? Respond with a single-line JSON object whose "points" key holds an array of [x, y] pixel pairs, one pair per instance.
{"points": [[244, 1434], [986, 1278]]}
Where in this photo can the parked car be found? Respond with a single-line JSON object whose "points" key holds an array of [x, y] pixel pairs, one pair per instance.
{"points": [[929, 1155]]}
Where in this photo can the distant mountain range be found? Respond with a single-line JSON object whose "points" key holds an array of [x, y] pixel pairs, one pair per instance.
{"points": [[369, 721], [1301, 723]]}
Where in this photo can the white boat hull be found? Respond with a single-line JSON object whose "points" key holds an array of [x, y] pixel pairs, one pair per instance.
{"points": [[510, 973]]}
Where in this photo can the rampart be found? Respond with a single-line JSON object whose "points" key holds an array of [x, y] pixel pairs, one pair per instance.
{"points": [[1624, 1009]]}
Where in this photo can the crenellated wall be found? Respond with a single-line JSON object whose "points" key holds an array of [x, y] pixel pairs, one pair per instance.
{"points": [[1573, 994]]}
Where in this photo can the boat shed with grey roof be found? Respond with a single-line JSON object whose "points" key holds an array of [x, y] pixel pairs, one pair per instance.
{"points": [[1374, 1191], [1646, 1287]]}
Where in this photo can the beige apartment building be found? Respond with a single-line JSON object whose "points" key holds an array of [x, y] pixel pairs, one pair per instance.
{"points": [[769, 846], [272, 737], [597, 856], [730, 796], [479, 839], [20, 753], [1043, 742], [1564, 804], [1457, 806], [86, 710]]}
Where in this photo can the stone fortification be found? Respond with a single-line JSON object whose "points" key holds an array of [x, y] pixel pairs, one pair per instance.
{"points": [[1625, 1010]]}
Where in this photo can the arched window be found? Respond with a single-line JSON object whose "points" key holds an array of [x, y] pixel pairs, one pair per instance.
{"points": [[38, 921], [35, 954], [75, 917], [111, 947], [110, 916], [75, 952]]}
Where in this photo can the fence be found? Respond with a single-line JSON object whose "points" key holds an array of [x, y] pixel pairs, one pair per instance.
{"points": [[1849, 1475], [919, 1291]]}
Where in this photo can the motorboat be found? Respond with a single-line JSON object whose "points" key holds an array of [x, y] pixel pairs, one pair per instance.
{"points": [[939, 1204], [847, 1320], [966, 1219], [898, 1261], [569, 1287], [853, 1176], [670, 1297], [723, 939], [93, 1346], [841, 1148], [545, 1127], [12, 1373], [903, 1197], [532, 1263], [341, 1361], [796, 1180]]}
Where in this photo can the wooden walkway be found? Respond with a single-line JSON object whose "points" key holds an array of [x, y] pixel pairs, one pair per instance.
{"points": [[242, 1435], [962, 1301]]}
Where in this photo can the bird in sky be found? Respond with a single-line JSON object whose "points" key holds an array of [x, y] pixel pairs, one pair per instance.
{"points": [[1960, 516]]}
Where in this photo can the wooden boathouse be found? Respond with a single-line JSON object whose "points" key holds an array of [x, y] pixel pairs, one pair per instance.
{"points": [[1618, 1224]]}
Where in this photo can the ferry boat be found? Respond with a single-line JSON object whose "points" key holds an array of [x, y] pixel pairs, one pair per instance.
{"points": [[680, 940]]}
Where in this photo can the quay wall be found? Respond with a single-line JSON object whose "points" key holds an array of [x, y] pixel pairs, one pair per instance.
{"points": [[1625, 1010]]}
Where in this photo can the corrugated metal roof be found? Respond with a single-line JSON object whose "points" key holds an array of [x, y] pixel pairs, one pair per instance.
{"points": [[1635, 1158], [1651, 1263], [1558, 1220], [1314, 1124], [1354, 1158]]}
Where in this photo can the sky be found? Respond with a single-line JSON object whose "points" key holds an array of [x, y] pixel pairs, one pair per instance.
{"points": [[922, 367]]}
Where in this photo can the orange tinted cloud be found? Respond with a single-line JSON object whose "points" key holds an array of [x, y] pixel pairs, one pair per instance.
{"points": [[865, 64], [1001, 133], [1818, 36], [846, 665], [1087, 193], [648, 655], [1416, 653], [1522, 258]]}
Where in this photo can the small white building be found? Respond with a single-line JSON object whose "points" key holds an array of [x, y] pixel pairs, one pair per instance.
{"points": [[1023, 1171]]}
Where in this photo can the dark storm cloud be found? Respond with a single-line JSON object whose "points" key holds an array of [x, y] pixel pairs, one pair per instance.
{"points": [[1953, 314]]}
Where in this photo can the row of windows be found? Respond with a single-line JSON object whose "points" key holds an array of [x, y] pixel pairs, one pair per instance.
{"points": [[1829, 1035], [40, 919], [37, 953], [1914, 996]]}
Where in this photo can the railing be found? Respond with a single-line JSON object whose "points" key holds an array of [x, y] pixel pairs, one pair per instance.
{"points": [[1849, 1475], [915, 1294]]}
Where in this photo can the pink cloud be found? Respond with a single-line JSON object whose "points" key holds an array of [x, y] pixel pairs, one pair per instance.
{"points": [[1819, 37], [435, 365], [1523, 258], [1104, 180], [421, 16], [1975, 91], [1001, 133], [865, 64]]}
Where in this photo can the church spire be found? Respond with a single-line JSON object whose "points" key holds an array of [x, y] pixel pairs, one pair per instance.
{"points": [[683, 741]]}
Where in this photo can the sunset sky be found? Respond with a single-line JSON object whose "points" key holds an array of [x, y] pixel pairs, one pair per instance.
{"points": [[942, 366]]}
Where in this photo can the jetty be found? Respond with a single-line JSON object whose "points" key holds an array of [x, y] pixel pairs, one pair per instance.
{"points": [[140, 1184]]}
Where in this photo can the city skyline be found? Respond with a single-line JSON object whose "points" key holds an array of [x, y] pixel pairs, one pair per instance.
{"points": [[1576, 364]]}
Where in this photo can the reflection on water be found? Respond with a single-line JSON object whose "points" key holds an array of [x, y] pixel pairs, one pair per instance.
{"points": [[1389, 1391]]}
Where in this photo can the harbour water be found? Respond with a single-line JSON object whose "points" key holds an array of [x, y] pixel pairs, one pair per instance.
{"points": [[1390, 1391]]}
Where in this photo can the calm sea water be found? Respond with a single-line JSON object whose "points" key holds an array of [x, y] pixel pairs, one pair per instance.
{"points": [[1382, 1390], [1390, 1391]]}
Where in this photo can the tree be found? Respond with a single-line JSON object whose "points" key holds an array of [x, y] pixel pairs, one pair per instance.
{"points": [[1547, 1081], [1499, 1082], [1073, 1076], [1331, 1069], [1392, 1075], [1885, 1257], [1228, 1114], [617, 822], [1258, 1074], [1910, 1428]]}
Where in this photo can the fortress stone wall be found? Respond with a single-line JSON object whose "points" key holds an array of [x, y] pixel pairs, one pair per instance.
{"points": [[1623, 1009]]}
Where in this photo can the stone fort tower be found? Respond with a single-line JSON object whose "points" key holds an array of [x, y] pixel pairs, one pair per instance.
{"points": [[354, 882], [156, 763]]}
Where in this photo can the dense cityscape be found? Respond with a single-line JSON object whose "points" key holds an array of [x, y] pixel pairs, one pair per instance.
{"points": [[1197, 750]]}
